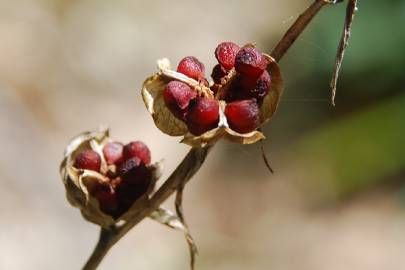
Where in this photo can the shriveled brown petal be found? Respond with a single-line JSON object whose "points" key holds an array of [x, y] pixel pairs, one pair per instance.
{"points": [[81, 142], [212, 136], [166, 217], [91, 210], [152, 94], [76, 181], [207, 138], [245, 138], [272, 99]]}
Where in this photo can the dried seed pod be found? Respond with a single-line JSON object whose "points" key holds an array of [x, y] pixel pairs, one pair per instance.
{"points": [[94, 192], [167, 122]]}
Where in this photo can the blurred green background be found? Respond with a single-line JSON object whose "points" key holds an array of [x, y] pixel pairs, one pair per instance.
{"points": [[336, 200]]}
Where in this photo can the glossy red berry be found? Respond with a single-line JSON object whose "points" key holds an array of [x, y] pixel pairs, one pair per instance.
{"points": [[250, 62], [191, 67], [137, 149], [243, 116], [226, 53], [134, 172], [107, 198], [203, 115], [88, 160], [177, 96], [113, 153], [255, 88], [218, 72]]}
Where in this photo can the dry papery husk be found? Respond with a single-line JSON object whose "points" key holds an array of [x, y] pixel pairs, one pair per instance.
{"points": [[76, 181], [152, 94]]}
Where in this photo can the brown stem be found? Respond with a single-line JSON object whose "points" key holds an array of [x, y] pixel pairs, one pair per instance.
{"points": [[103, 246], [298, 27], [189, 239], [195, 157]]}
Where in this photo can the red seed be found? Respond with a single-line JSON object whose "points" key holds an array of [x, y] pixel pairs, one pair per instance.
{"points": [[134, 172], [137, 149], [107, 199], [191, 67], [218, 73], [226, 53], [203, 115], [88, 160], [250, 62], [177, 96], [254, 88], [113, 153], [135, 181], [243, 115]]}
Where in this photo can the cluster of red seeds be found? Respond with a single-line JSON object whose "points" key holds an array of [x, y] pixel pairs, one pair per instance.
{"points": [[244, 96], [128, 174]]}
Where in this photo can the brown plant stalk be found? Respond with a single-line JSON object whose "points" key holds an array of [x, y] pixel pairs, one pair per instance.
{"points": [[196, 156]]}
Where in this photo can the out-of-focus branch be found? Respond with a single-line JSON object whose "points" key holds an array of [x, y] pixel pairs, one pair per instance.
{"points": [[298, 27], [350, 11], [301, 23]]}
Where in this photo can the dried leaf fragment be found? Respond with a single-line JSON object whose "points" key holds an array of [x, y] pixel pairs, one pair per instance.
{"points": [[152, 94], [171, 220]]}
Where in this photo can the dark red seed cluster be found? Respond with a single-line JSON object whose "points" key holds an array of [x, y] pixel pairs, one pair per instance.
{"points": [[248, 89], [199, 113], [244, 96], [128, 174]]}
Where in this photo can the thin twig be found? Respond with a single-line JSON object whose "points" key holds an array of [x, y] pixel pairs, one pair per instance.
{"points": [[350, 11], [298, 27], [101, 249], [179, 210]]}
